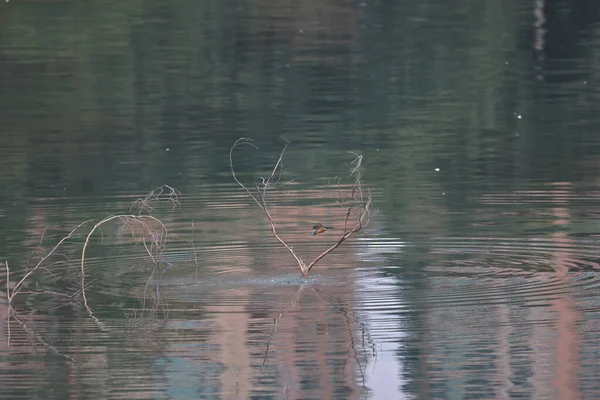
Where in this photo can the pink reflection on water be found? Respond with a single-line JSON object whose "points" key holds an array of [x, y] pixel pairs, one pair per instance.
{"points": [[568, 341]]}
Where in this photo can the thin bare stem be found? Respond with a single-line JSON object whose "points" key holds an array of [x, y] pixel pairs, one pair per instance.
{"points": [[360, 223], [362, 207], [153, 237], [354, 221], [262, 193], [143, 204], [127, 218], [151, 227], [241, 142], [8, 297], [8, 300], [37, 248], [20, 283]]}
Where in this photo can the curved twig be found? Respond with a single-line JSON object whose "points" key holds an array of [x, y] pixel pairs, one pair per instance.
{"points": [[127, 218], [262, 203], [356, 201], [20, 283]]}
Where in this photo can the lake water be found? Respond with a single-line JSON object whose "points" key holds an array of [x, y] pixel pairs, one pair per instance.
{"points": [[476, 278]]}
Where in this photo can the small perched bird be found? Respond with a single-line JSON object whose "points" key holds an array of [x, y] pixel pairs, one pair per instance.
{"points": [[319, 228]]}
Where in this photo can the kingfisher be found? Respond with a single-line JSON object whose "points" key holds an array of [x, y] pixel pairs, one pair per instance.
{"points": [[319, 228]]}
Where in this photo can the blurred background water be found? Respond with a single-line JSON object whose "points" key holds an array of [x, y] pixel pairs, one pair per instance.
{"points": [[478, 122]]}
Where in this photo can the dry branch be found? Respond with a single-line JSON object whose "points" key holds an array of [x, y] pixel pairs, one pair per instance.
{"points": [[357, 205], [147, 229], [144, 227], [19, 285], [158, 236]]}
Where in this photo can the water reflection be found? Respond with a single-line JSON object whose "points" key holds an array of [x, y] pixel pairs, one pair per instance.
{"points": [[467, 317]]}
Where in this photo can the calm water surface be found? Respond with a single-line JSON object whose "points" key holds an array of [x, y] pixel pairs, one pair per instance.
{"points": [[476, 279]]}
